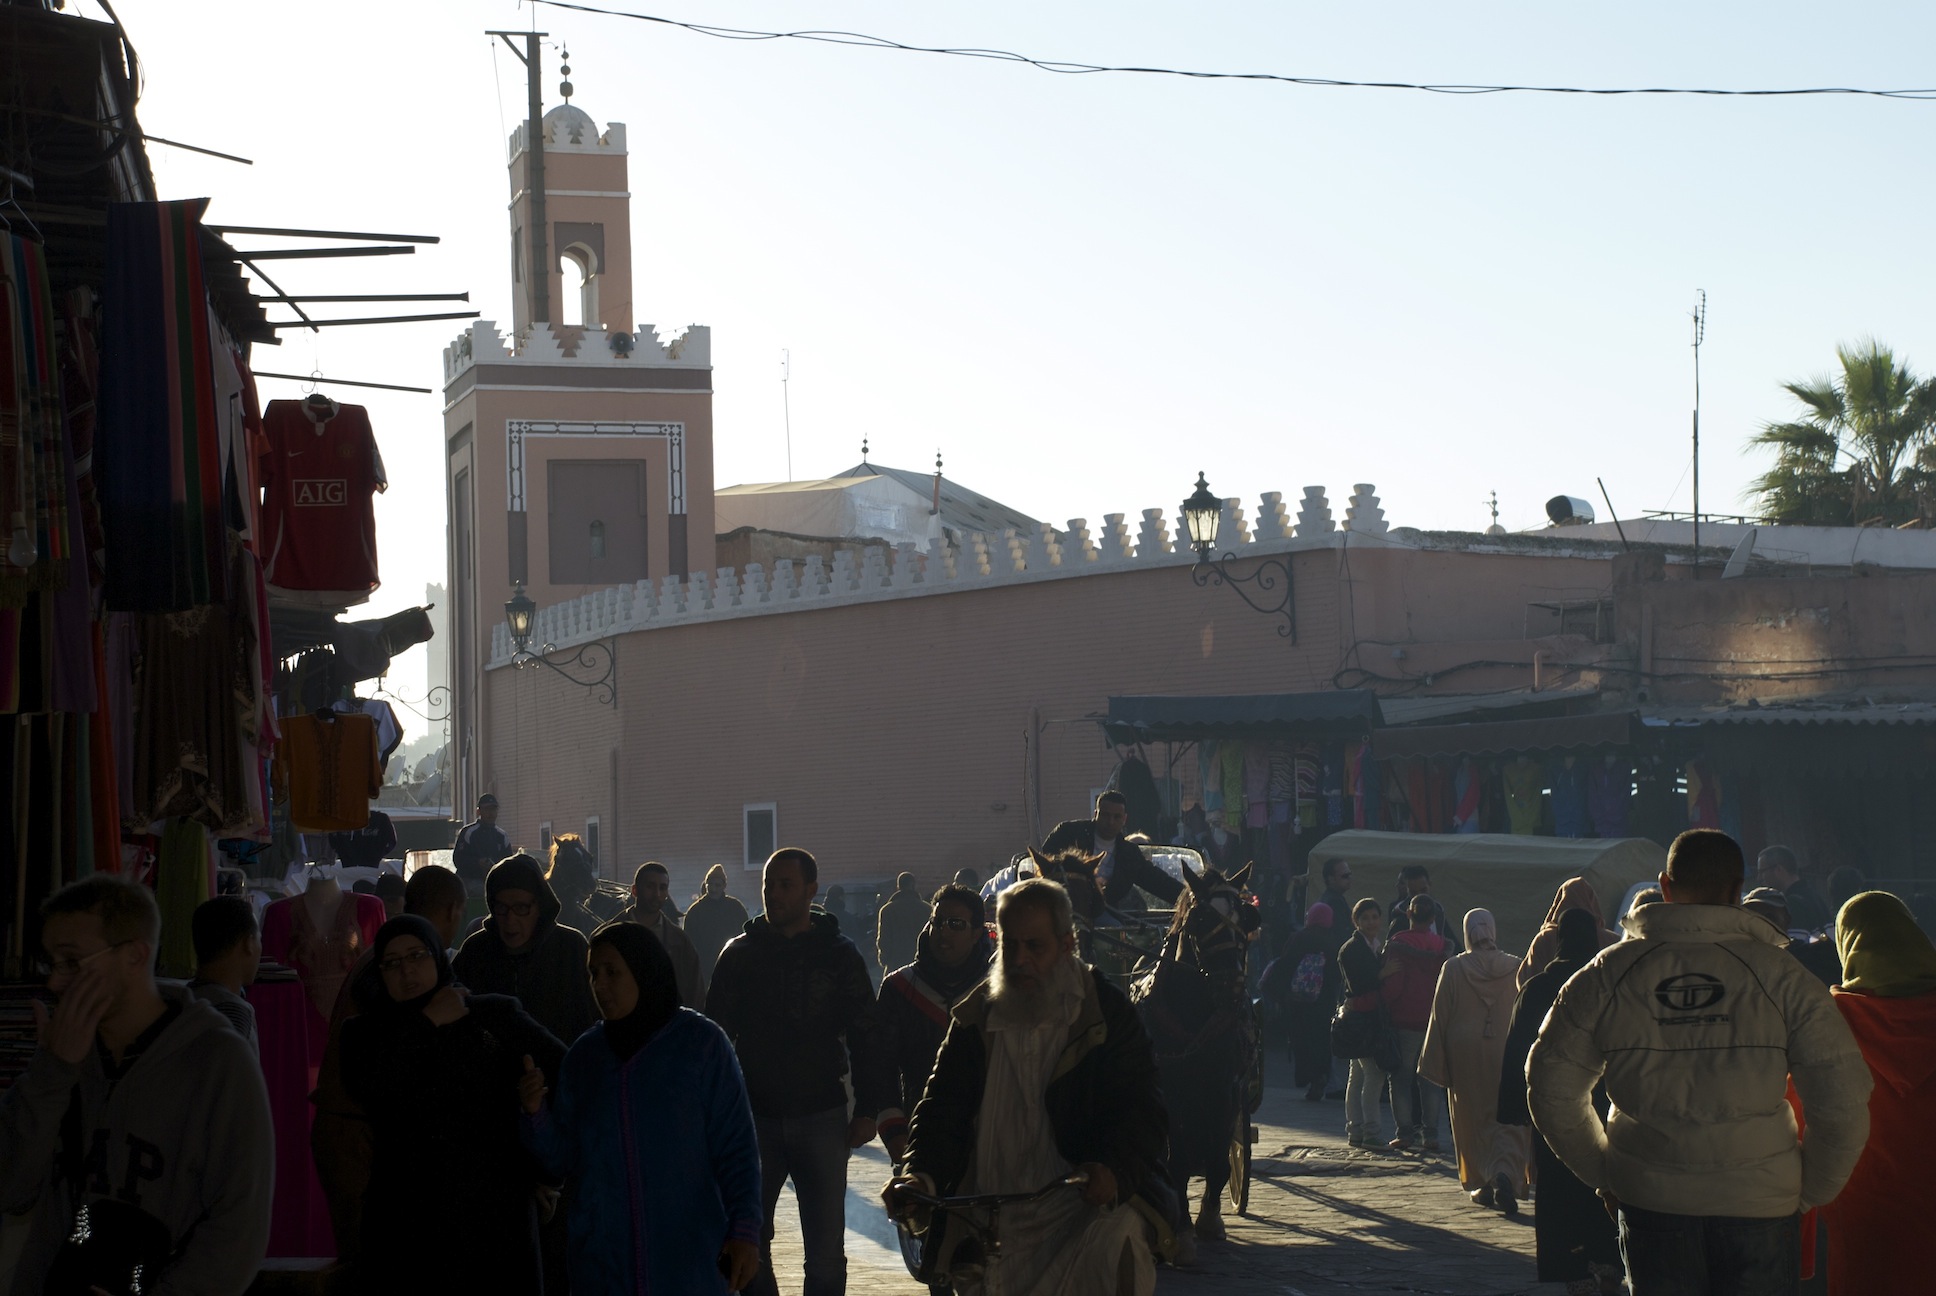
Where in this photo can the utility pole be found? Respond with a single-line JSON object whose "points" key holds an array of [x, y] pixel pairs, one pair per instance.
{"points": [[1700, 335], [540, 269]]}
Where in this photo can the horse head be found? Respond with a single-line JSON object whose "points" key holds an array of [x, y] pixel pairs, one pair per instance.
{"points": [[1076, 872], [1214, 924]]}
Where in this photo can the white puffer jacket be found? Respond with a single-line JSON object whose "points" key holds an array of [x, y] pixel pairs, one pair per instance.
{"points": [[1697, 1025]]}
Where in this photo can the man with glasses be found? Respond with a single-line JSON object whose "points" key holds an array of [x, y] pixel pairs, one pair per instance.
{"points": [[951, 958], [523, 950], [140, 1129]]}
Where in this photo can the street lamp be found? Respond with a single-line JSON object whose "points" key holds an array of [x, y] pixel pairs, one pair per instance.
{"points": [[1202, 513], [597, 659]]}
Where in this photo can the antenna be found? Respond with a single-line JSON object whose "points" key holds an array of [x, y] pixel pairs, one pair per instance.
{"points": [[786, 405], [1492, 502], [1700, 335]]}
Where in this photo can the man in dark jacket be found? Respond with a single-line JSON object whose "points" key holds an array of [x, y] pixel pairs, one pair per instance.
{"points": [[952, 956], [899, 925], [1416, 880], [480, 844], [1045, 1070], [794, 996], [1124, 865], [523, 951], [1780, 868]]}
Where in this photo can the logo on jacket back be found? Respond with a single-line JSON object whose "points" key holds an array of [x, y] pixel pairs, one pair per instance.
{"points": [[1689, 996]]}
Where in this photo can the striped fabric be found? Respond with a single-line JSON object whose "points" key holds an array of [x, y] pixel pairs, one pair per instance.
{"points": [[159, 463], [33, 467]]}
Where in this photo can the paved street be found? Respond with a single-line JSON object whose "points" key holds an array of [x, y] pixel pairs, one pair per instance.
{"points": [[1325, 1221]]}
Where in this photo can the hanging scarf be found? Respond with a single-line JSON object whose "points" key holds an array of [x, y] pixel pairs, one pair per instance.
{"points": [[1883, 951], [658, 986]]}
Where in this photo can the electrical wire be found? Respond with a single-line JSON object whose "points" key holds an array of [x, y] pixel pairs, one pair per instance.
{"points": [[862, 41]]}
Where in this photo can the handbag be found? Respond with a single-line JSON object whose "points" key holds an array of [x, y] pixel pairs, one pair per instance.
{"points": [[1365, 1034]]}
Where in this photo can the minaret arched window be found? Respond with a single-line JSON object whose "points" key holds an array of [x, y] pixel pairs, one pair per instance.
{"points": [[578, 304]]}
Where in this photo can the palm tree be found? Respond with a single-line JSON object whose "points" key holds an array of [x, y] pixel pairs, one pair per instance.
{"points": [[1863, 451]]}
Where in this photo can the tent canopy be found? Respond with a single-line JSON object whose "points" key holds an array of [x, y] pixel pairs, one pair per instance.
{"points": [[1513, 876], [1262, 715]]}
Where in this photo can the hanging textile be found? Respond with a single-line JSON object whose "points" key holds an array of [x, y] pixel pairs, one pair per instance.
{"points": [[196, 712], [183, 880], [327, 765], [1525, 780], [1609, 791], [1230, 761], [159, 461], [1257, 772], [1703, 795], [1331, 784], [34, 472], [1465, 796], [1307, 761], [1568, 775], [1210, 770]]}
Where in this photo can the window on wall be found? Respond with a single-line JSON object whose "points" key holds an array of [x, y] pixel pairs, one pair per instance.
{"points": [[597, 539], [591, 842], [760, 823], [544, 837]]}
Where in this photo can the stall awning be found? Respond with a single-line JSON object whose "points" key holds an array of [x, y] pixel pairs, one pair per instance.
{"points": [[1262, 715], [1502, 736]]}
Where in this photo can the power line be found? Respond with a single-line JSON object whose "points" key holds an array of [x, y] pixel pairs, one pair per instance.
{"points": [[863, 41]]}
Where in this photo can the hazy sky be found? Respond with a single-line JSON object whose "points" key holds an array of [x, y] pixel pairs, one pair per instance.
{"points": [[1084, 289]]}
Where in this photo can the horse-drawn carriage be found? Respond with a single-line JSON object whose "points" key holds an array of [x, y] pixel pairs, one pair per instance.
{"points": [[1185, 967]]}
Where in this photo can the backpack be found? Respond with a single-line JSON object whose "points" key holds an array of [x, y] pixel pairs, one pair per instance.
{"points": [[1307, 982]]}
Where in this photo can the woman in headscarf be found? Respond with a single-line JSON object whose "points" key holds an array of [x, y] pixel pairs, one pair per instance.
{"points": [[449, 1206], [1888, 998], [1464, 1044], [651, 1129], [1574, 893], [1574, 1237], [1302, 984]]}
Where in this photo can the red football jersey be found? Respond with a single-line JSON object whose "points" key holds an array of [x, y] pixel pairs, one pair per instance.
{"points": [[320, 472]]}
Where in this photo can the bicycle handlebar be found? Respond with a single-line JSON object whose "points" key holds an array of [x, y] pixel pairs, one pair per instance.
{"points": [[982, 1201]]}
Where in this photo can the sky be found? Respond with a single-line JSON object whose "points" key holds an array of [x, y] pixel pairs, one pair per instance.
{"points": [[1083, 290]]}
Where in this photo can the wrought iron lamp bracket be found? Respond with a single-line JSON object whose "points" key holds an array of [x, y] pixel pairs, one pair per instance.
{"points": [[592, 666], [1266, 578]]}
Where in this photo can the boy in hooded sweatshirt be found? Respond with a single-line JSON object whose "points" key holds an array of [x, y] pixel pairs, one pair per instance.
{"points": [[522, 950], [169, 1115]]}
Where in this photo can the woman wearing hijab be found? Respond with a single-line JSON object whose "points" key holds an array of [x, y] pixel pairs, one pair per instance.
{"points": [[651, 1129], [1464, 1045], [449, 1204], [1574, 893], [1302, 984], [1574, 1237], [1888, 998]]}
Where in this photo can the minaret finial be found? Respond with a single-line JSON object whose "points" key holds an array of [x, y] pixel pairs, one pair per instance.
{"points": [[564, 70], [863, 449]]}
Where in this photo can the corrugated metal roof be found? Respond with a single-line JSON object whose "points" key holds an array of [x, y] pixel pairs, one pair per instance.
{"points": [[1157, 719], [1499, 737], [1419, 709], [1888, 713]]}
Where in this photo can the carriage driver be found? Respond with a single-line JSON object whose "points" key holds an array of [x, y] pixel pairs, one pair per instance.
{"points": [[1045, 1069], [1123, 865]]}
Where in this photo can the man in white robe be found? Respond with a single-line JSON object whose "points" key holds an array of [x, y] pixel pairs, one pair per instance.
{"points": [[1045, 1070]]}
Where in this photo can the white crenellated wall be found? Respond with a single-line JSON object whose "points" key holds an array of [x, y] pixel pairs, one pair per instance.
{"points": [[984, 560], [481, 343]]}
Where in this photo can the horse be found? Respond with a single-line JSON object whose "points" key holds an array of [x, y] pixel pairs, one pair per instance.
{"points": [[1194, 1005]]}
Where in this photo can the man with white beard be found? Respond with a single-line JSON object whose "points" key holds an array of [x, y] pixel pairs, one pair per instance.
{"points": [[1045, 1070]]}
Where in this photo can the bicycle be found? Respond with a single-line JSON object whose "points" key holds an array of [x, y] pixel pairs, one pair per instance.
{"points": [[988, 1235]]}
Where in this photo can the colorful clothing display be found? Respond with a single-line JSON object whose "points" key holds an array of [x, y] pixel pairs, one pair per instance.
{"points": [[1568, 778], [1609, 792], [320, 471]]}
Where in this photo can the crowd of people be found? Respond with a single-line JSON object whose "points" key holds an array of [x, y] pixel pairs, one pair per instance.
{"points": [[525, 1105], [1681, 1093]]}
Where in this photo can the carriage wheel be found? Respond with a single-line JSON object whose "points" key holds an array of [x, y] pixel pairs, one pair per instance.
{"points": [[1240, 1165]]}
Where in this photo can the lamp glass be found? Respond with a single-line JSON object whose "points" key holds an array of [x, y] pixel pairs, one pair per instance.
{"points": [[518, 610], [1201, 513]]}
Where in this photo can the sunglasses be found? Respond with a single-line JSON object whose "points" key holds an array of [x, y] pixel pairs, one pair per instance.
{"points": [[392, 966]]}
